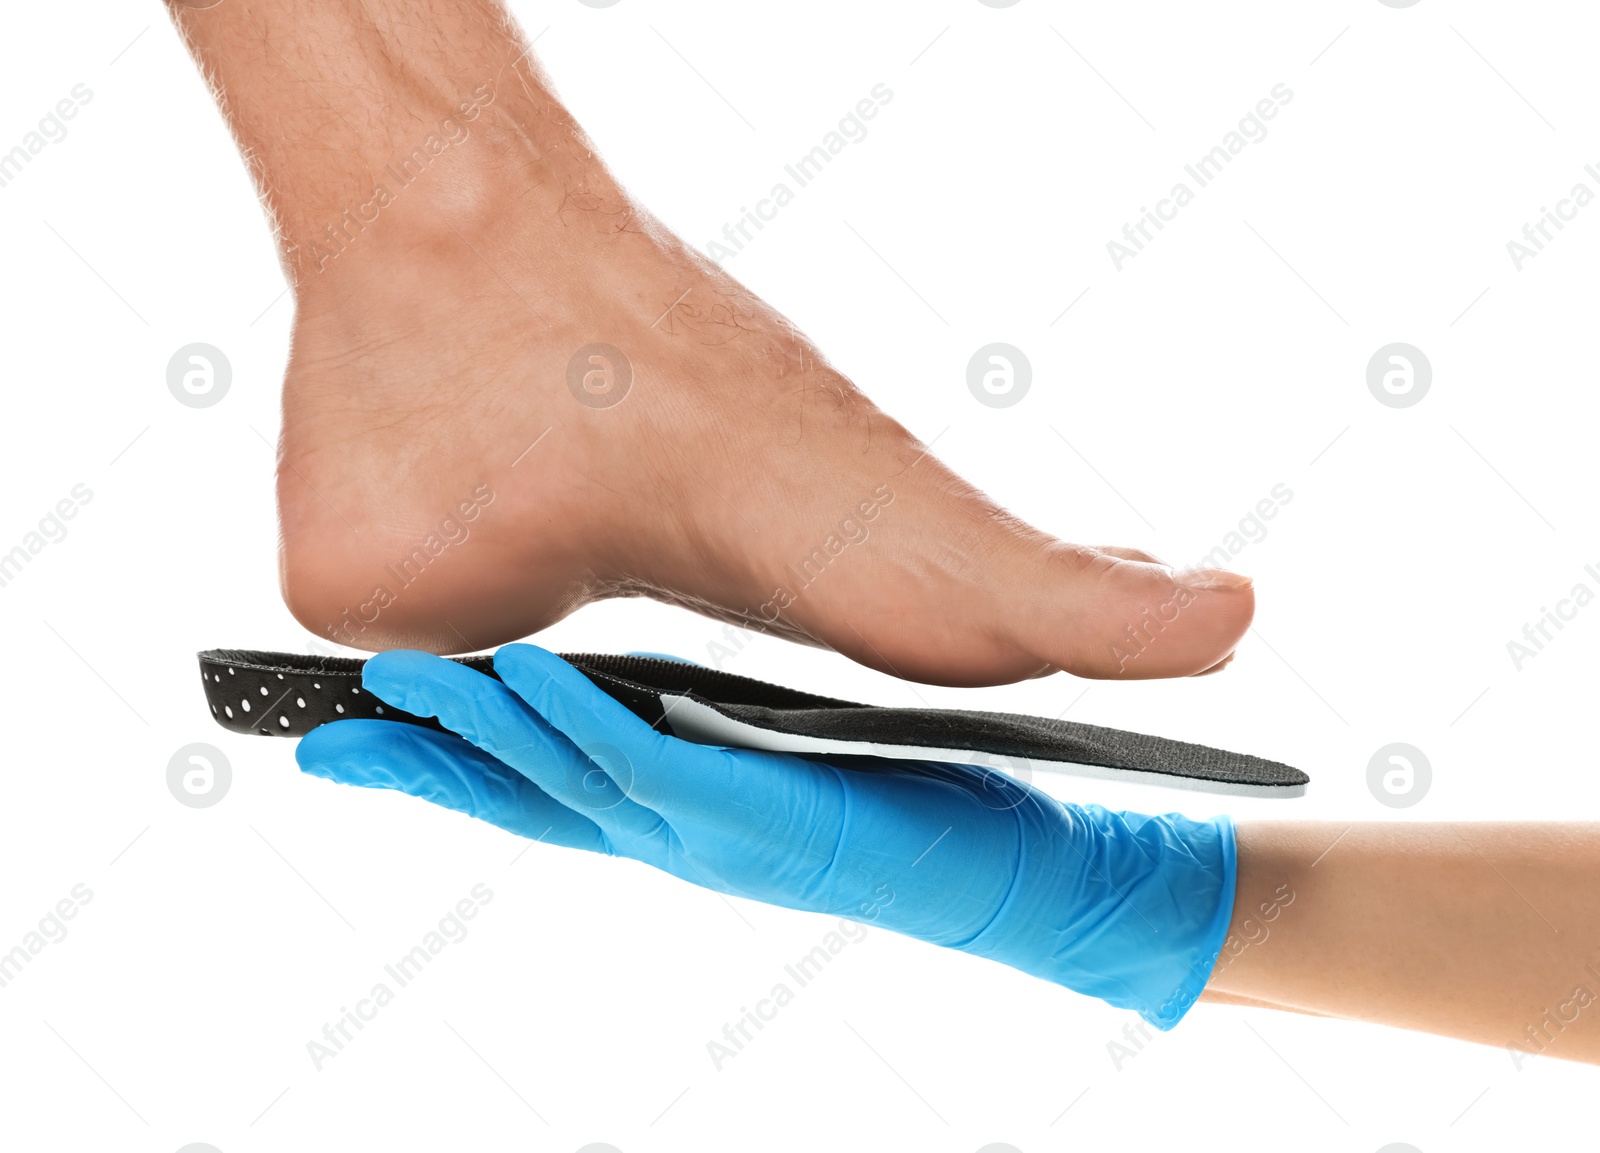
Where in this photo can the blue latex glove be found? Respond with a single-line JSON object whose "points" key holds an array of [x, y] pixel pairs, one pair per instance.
{"points": [[1129, 908]]}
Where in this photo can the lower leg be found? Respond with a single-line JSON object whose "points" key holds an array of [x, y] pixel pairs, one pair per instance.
{"points": [[336, 102]]}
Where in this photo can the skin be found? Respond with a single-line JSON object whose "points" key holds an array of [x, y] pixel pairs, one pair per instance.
{"points": [[1480, 931], [432, 340], [439, 308]]}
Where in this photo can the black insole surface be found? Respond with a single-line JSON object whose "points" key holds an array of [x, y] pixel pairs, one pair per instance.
{"points": [[288, 695]]}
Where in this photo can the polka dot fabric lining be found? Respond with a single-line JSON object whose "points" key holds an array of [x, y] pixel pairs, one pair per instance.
{"points": [[289, 694]]}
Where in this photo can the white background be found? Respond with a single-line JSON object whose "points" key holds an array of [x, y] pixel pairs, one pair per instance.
{"points": [[1229, 357]]}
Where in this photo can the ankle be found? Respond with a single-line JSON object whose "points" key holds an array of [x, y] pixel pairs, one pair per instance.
{"points": [[423, 199], [467, 164]]}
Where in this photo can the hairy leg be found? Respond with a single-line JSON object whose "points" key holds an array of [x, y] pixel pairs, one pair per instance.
{"points": [[512, 392]]}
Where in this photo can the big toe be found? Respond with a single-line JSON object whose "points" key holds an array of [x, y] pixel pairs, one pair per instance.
{"points": [[1115, 614]]}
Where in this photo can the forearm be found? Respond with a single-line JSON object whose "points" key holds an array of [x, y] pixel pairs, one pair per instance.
{"points": [[1486, 932]]}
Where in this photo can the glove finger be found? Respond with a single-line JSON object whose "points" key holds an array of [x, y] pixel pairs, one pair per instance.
{"points": [[493, 717], [570, 702], [447, 770], [681, 780], [653, 768]]}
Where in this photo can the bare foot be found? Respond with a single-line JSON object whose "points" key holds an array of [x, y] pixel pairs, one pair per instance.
{"points": [[709, 457], [462, 466]]}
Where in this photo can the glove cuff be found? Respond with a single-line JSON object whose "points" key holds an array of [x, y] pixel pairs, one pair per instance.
{"points": [[1129, 908], [1198, 957]]}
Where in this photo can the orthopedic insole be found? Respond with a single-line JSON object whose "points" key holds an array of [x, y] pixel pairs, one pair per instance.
{"points": [[288, 695]]}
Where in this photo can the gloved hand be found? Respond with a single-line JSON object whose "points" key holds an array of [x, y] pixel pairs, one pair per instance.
{"points": [[1129, 908]]}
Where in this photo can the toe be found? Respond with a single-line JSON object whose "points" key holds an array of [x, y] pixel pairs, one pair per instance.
{"points": [[1101, 614]]}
